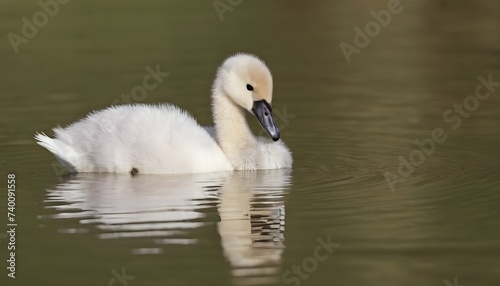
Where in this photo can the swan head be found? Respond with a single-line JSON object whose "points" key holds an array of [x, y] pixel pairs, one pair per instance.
{"points": [[247, 81]]}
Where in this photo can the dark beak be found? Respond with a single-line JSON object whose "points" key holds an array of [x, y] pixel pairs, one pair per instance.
{"points": [[263, 112]]}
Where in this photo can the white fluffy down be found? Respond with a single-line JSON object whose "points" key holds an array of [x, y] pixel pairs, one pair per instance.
{"points": [[155, 139]]}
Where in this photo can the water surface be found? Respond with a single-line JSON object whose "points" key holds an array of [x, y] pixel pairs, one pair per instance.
{"points": [[346, 124]]}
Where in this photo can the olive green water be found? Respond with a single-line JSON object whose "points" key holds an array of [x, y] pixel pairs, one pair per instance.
{"points": [[346, 124]]}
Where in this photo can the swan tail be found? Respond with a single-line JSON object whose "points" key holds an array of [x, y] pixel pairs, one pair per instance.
{"points": [[63, 152]]}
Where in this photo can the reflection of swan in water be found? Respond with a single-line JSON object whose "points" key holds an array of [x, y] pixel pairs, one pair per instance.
{"points": [[252, 224], [169, 208], [140, 206]]}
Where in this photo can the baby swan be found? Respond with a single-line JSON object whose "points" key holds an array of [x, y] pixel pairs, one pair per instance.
{"points": [[163, 139]]}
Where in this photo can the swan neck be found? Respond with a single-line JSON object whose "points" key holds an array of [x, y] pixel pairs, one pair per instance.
{"points": [[233, 133]]}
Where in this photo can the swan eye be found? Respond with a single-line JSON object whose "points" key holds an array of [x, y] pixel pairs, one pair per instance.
{"points": [[249, 87]]}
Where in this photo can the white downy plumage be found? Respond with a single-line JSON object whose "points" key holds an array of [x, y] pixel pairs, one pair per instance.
{"points": [[163, 139]]}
